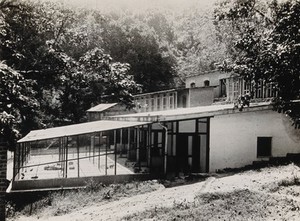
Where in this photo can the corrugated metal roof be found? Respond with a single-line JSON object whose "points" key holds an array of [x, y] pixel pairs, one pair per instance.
{"points": [[101, 107], [77, 129]]}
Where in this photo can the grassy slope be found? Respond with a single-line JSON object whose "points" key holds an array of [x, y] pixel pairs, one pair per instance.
{"points": [[266, 194], [277, 201], [65, 202]]}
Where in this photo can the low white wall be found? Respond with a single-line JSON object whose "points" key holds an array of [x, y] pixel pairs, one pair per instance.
{"points": [[233, 138]]}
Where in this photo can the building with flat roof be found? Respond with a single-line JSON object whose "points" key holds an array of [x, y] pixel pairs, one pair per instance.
{"points": [[195, 129], [184, 140]]}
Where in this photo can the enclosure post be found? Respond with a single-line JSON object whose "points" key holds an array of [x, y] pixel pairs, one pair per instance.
{"points": [[14, 162], [121, 142], [94, 141], [166, 150], [19, 155], [22, 158], [63, 156], [90, 147], [25, 154], [138, 144], [78, 167], [60, 154], [128, 147], [66, 157], [100, 135], [115, 145], [29, 152], [207, 144], [148, 145], [151, 146], [59, 144], [107, 141]]}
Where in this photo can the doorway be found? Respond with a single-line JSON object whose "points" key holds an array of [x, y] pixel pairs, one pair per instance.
{"points": [[191, 153]]}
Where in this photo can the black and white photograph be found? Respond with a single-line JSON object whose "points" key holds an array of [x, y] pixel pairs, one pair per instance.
{"points": [[152, 110]]}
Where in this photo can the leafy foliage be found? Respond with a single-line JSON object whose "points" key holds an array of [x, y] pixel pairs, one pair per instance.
{"points": [[57, 79], [265, 44], [97, 80], [17, 107]]}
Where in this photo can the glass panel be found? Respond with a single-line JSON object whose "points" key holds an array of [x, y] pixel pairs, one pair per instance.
{"points": [[203, 153], [169, 125], [174, 145], [156, 126], [187, 126], [202, 127], [159, 140], [203, 120], [169, 145], [190, 145], [190, 161]]}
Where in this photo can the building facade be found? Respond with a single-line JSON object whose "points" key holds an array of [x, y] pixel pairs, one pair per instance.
{"points": [[202, 90], [171, 132]]}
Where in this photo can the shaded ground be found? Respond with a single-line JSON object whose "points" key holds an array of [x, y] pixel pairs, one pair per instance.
{"points": [[266, 194]]}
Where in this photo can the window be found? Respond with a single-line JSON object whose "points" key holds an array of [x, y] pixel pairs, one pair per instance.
{"points": [[206, 83], [193, 85], [171, 101], [164, 102], [152, 104], [264, 146], [158, 103]]}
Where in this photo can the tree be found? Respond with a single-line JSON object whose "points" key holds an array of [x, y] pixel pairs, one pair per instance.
{"points": [[149, 66], [18, 110], [266, 46], [97, 80]]}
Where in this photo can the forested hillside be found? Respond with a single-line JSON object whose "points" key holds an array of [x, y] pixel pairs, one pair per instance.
{"points": [[57, 60]]}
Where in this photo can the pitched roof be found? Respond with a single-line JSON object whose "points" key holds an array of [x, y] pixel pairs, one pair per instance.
{"points": [[101, 107]]}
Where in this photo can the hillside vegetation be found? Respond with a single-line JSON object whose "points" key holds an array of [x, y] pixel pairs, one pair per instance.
{"points": [[58, 60], [266, 194]]}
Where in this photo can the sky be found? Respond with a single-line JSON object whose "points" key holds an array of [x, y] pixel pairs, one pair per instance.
{"points": [[139, 5]]}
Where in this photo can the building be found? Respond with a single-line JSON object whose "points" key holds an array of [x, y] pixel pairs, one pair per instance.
{"points": [[103, 110], [211, 138], [142, 145], [173, 99], [204, 89], [216, 79], [175, 131], [228, 86]]}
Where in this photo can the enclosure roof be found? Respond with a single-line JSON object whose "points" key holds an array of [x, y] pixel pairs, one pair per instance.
{"points": [[101, 107], [77, 129]]}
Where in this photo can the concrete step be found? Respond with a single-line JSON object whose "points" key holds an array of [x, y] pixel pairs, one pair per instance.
{"points": [[279, 160], [294, 157]]}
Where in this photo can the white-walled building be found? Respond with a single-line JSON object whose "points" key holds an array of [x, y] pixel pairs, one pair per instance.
{"points": [[210, 138], [172, 131]]}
